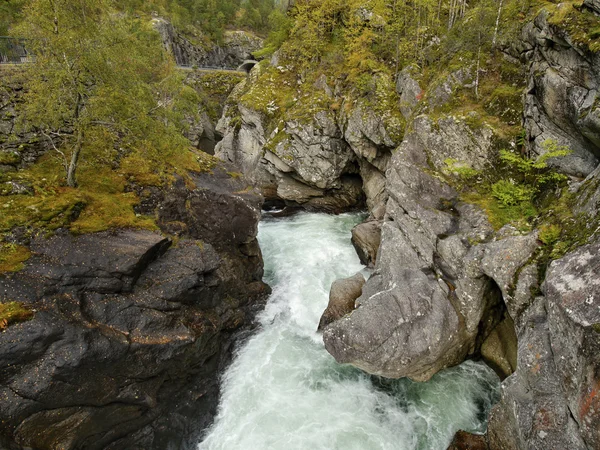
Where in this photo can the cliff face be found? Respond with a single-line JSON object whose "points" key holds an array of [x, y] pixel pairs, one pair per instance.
{"points": [[451, 280], [309, 155], [131, 328], [198, 51], [561, 101]]}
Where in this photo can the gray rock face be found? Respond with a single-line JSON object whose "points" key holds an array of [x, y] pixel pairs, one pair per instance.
{"points": [[532, 412], [323, 151], [366, 133], [572, 290], [366, 238], [451, 138], [315, 152], [409, 91], [342, 296], [430, 302], [237, 47], [594, 5], [130, 331], [562, 98], [551, 400]]}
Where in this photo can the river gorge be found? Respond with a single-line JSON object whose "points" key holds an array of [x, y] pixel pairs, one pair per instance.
{"points": [[283, 390]]}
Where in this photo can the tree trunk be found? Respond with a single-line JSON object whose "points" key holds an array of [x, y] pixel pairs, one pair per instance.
{"points": [[497, 24], [71, 180]]}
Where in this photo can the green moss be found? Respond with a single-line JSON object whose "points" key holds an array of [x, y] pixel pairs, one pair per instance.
{"points": [[519, 215], [582, 25], [550, 233], [102, 200], [12, 257], [213, 89], [13, 312], [9, 158], [506, 102]]}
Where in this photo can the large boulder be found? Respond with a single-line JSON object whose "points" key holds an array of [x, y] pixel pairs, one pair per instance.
{"points": [[366, 238], [342, 296]]}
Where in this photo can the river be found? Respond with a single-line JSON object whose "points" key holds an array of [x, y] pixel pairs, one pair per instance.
{"points": [[283, 391]]}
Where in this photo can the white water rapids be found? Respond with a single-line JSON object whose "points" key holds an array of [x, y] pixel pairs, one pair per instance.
{"points": [[284, 391]]}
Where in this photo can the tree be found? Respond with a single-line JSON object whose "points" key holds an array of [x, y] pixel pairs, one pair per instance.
{"points": [[100, 78]]}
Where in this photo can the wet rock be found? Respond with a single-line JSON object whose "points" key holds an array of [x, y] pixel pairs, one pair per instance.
{"points": [[130, 332], [499, 350], [366, 238], [468, 441], [342, 296]]}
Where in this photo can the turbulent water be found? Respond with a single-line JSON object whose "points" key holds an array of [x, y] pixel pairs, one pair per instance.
{"points": [[284, 391]]}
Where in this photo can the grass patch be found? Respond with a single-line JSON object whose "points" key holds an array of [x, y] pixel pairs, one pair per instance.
{"points": [[13, 312]]}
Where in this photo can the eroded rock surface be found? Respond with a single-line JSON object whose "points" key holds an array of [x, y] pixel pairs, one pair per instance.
{"points": [[562, 98], [342, 297], [431, 301], [131, 330]]}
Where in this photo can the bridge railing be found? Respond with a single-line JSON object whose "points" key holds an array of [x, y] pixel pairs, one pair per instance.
{"points": [[14, 51]]}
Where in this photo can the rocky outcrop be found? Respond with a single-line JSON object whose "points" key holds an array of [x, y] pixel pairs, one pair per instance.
{"points": [[433, 299], [198, 51], [342, 296], [563, 95], [314, 160], [131, 328]]}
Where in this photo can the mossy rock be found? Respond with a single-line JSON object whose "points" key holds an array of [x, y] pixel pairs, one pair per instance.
{"points": [[13, 312]]}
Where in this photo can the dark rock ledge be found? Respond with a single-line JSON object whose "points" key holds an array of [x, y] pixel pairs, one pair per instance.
{"points": [[131, 328]]}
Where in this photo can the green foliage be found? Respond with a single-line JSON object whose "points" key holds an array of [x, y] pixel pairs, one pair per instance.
{"points": [[101, 79], [550, 233], [9, 12], [513, 192], [509, 193], [101, 85]]}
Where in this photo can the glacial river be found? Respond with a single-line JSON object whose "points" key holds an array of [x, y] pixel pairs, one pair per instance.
{"points": [[283, 391]]}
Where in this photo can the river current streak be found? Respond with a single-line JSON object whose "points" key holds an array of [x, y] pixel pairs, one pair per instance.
{"points": [[283, 391]]}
